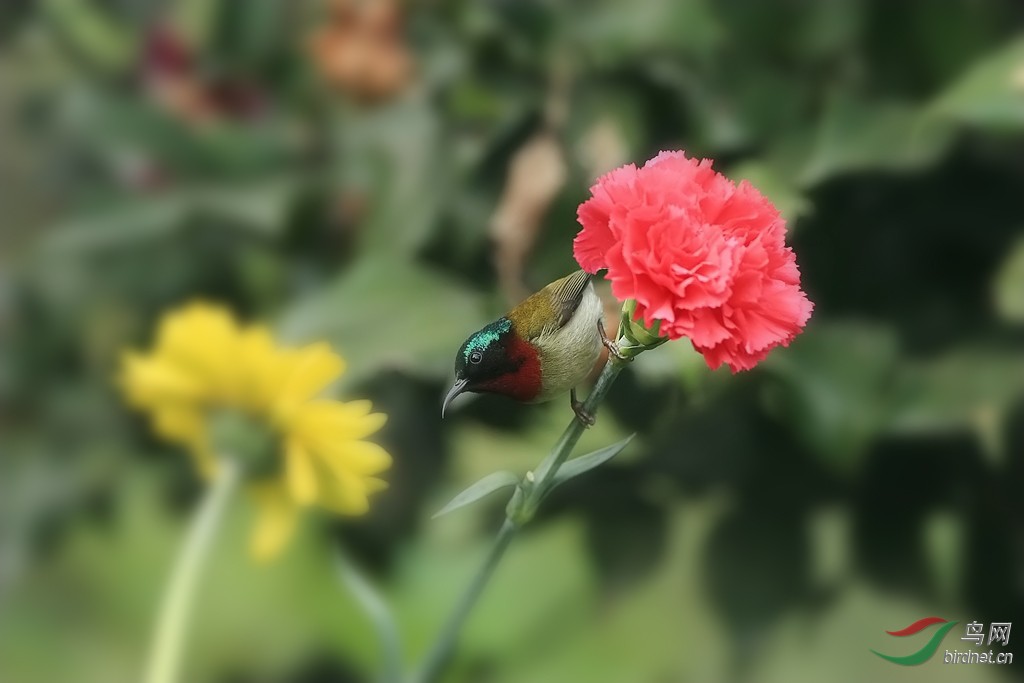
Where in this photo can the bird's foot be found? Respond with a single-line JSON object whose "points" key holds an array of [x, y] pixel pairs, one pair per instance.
{"points": [[577, 407], [612, 347]]}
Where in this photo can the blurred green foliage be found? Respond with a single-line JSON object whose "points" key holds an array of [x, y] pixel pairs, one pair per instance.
{"points": [[762, 527]]}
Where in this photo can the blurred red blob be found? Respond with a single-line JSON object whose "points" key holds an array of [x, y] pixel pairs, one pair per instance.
{"points": [[172, 76]]}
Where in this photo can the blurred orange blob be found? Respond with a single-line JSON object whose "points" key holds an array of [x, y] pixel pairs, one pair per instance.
{"points": [[361, 51]]}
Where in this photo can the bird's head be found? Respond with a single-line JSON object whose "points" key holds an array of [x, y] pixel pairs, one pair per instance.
{"points": [[496, 360]]}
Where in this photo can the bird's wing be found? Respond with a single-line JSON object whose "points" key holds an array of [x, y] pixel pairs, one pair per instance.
{"points": [[552, 307], [567, 294]]}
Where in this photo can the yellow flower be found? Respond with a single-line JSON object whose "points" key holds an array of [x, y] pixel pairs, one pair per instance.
{"points": [[205, 366]]}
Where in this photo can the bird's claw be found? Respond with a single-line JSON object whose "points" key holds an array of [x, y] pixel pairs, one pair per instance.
{"points": [[577, 407], [612, 347]]}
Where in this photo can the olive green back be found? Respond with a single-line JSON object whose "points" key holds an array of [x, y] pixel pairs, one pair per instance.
{"points": [[550, 308]]}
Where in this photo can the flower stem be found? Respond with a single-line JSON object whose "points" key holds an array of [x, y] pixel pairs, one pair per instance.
{"points": [[544, 476], [440, 653], [544, 479], [166, 647], [379, 613]]}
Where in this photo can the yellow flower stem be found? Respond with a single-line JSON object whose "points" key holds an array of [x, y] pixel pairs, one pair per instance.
{"points": [[544, 479], [165, 650]]}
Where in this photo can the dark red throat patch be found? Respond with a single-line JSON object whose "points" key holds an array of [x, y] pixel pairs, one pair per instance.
{"points": [[524, 383]]}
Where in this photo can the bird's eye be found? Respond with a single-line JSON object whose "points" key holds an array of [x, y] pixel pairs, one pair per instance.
{"points": [[475, 357]]}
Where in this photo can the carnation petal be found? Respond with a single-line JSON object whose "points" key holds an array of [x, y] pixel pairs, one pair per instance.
{"points": [[735, 358], [703, 255], [709, 326], [759, 331], [591, 246]]}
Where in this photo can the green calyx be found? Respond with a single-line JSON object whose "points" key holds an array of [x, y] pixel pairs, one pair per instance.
{"points": [[517, 510], [638, 337], [246, 440]]}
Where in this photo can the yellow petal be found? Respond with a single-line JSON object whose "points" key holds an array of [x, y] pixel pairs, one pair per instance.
{"points": [[204, 460], [202, 339], [345, 495], [361, 458], [329, 421], [149, 381], [315, 367], [348, 488], [184, 425], [300, 473], [275, 523], [356, 408], [259, 366]]}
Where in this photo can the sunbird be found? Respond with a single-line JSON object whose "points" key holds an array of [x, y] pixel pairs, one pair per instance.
{"points": [[540, 349]]}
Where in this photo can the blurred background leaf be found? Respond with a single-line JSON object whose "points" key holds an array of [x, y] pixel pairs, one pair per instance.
{"points": [[991, 93]]}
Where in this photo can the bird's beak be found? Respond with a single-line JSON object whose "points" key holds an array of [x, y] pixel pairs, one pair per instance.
{"points": [[457, 388]]}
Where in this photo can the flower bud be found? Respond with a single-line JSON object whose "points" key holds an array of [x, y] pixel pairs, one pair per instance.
{"points": [[517, 510], [638, 337]]}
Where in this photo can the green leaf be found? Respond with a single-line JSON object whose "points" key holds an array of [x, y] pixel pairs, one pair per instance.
{"points": [[1008, 289], [857, 135], [577, 466], [826, 30], [245, 32], [964, 390], [378, 612], [990, 94], [778, 186], [137, 220], [100, 40], [260, 207], [836, 389], [121, 573], [612, 32], [548, 564], [671, 596], [486, 486], [518, 450], [392, 154], [386, 313], [196, 20], [605, 129], [116, 128]]}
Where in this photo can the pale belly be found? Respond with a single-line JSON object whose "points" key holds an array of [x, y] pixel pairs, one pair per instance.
{"points": [[570, 353]]}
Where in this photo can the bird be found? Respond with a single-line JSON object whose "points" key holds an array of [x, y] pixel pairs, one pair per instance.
{"points": [[540, 349]]}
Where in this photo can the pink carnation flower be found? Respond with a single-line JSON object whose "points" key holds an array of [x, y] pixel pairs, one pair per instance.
{"points": [[705, 257]]}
